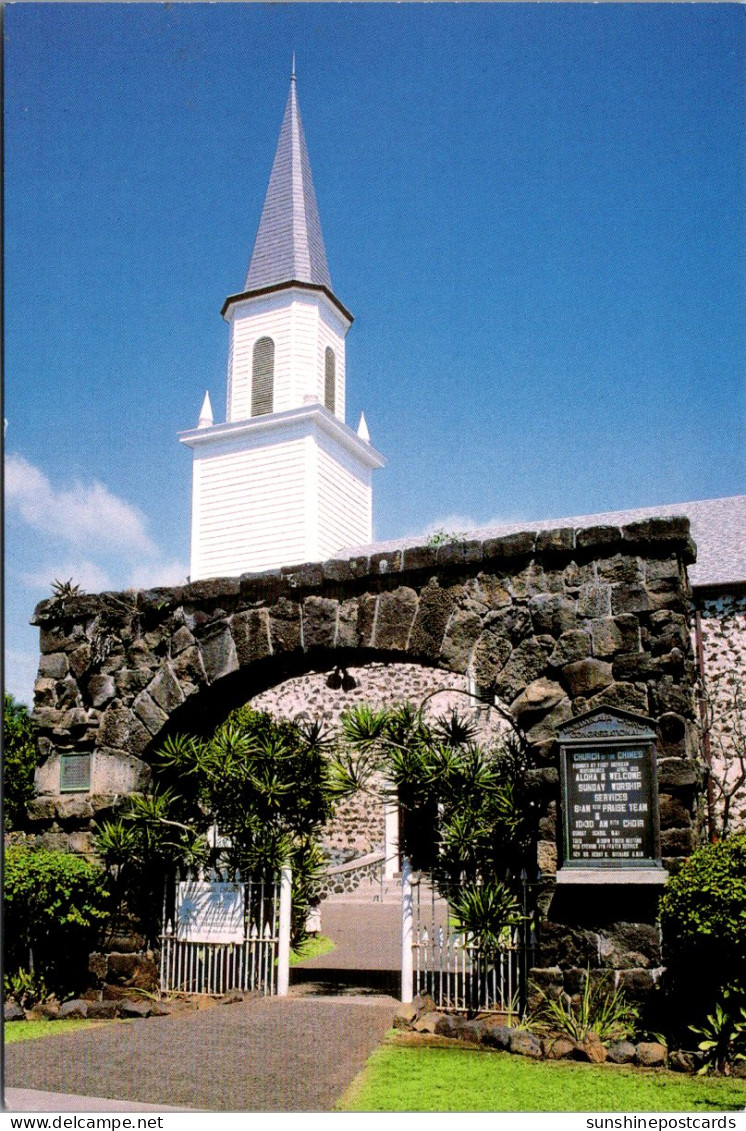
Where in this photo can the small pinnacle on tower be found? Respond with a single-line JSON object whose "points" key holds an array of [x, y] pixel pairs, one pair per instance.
{"points": [[206, 418], [292, 73], [362, 429]]}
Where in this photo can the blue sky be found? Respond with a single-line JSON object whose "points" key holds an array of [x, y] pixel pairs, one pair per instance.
{"points": [[535, 212]]}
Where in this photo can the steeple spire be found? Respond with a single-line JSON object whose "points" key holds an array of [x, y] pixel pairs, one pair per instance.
{"points": [[289, 244]]}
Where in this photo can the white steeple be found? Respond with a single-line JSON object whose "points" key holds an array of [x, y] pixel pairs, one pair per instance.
{"points": [[284, 480]]}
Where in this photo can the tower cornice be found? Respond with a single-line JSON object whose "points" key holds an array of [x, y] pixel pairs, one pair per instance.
{"points": [[298, 284]]}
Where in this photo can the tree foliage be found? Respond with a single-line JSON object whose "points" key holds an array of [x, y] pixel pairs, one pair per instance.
{"points": [[20, 759], [703, 923], [54, 906], [263, 786]]}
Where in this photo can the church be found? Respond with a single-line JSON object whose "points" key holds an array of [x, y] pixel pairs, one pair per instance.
{"points": [[293, 607], [285, 480]]}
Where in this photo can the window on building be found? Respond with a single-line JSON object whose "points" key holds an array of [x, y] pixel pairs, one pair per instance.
{"points": [[262, 377], [75, 773], [330, 379]]}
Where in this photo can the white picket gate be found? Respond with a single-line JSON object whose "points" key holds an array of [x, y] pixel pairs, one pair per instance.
{"points": [[222, 936], [448, 964]]}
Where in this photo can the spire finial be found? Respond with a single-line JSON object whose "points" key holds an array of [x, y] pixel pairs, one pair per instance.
{"points": [[292, 73]]}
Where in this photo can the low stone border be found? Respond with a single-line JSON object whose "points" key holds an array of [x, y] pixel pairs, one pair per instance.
{"points": [[80, 1009], [491, 1031]]}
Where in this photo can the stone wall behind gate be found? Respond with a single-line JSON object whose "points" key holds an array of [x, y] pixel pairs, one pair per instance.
{"points": [[550, 623]]}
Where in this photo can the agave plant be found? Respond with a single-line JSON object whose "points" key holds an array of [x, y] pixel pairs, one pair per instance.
{"points": [[602, 1009], [486, 912]]}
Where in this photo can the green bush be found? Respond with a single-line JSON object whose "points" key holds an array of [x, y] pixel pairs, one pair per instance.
{"points": [[703, 923], [20, 759], [54, 905]]}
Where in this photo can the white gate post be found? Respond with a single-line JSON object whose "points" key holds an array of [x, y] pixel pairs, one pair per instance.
{"points": [[283, 943], [407, 968]]}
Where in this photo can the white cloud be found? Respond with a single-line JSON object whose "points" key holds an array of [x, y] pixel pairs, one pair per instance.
{"points": [[20, 673], [149, 575], [464, 524], [88, 575], [86, 514]]}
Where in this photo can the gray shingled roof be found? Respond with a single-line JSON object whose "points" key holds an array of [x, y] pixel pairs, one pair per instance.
{"points": [[289, 244], [718, 526]]}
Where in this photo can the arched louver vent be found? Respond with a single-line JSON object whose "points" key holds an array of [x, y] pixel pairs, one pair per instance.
{"points": [[262, 377], [330, 379]]}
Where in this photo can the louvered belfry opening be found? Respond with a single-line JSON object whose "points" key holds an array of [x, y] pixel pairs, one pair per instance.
{"points": [[262, 377], [330, 379]]}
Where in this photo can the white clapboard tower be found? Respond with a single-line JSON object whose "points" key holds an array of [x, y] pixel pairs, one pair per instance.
{"points": [[284, 480]]}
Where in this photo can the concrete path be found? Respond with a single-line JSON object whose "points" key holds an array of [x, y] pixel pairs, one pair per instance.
{"points": [[296, 1053], [26, 1099]]}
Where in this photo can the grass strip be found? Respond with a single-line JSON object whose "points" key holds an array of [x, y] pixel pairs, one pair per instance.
{"points": [[31, 1030], [311, 948], [401, 1078]]}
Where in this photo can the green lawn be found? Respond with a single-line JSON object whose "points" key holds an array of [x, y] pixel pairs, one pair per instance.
{"points": [[311, 948], [405, 1078], [30, 1030]]}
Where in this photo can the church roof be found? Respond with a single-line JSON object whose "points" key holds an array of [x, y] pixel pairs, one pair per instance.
{"points": [[289, 244], [718, 527]]}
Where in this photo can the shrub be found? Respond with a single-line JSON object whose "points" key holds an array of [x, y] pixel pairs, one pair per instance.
{"points": [[54, 903], [20, 759], [601, 1009], [703, 923]]}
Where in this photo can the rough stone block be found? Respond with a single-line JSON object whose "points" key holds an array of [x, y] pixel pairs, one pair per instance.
{"points": [[681, 1061], [677, 842], [585, 677], [42, 809], [553, 614], [629, 598], [129, 682], [189, 671], [526, 663], [101, 689], [13, 1012], [338, 569], [77, 1010], [347, 621], [557, 1048], [629, 946], [116, 724], [493, 591], [621, 1052], [458, 643], [426, 1023], [165, 688], [597, 537], [284, 626], [74, 808], [212, 589], [496, 1036], [560, 540], [218, 651], [307, 576], [250, 632], [652, 532], [149, 713], [637, 984], [591, 1050], [419, 558], [674, 814], [571, 646], [319, 622], [396, 613], [385, 562], [508, 547], [540, 696], [626, 696], [668, 695], [435, 607], [54, 666], [650, 1054], [129, 1008], [102, 1010], [594, 600], [525, 1044], [621, 567]]}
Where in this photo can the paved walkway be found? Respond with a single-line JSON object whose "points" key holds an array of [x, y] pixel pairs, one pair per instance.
{"points": [[265, 1054]]}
